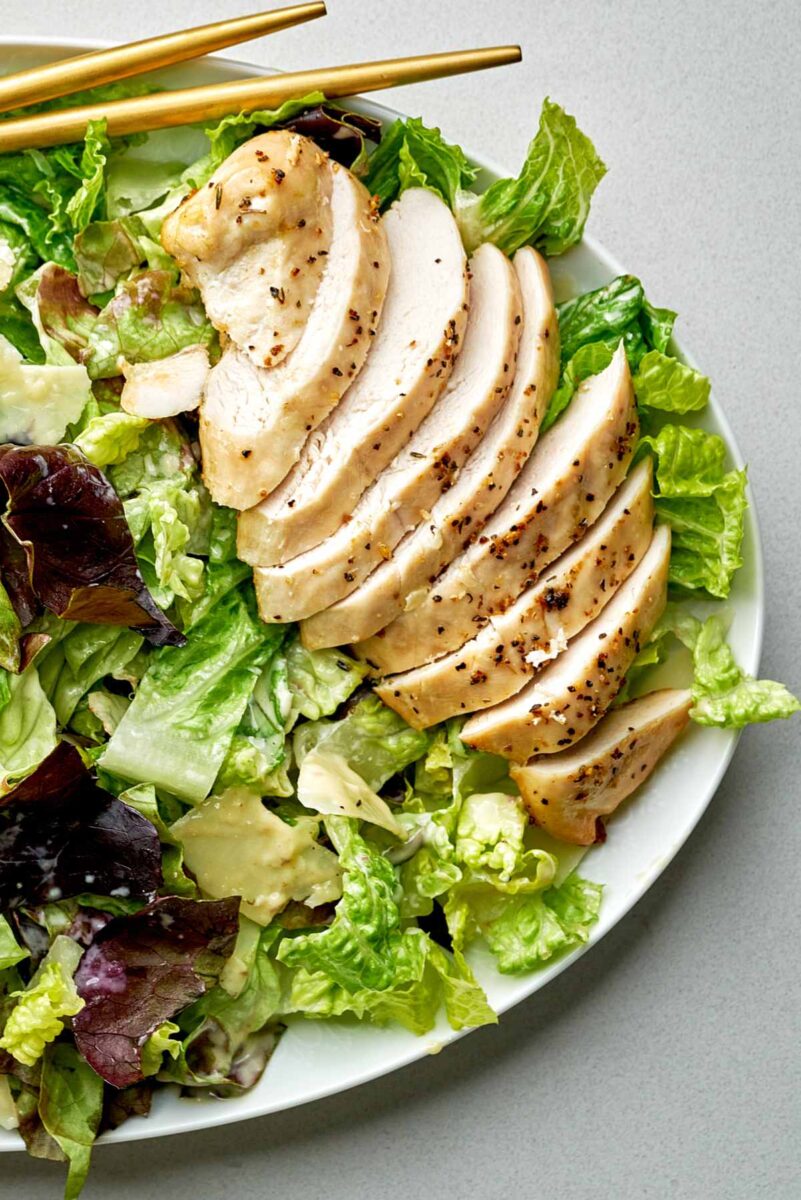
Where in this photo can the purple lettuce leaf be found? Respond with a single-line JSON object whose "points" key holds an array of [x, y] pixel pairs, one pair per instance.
{"points": [[67, 519], [63, 835], [143, 969], [340, 133]]}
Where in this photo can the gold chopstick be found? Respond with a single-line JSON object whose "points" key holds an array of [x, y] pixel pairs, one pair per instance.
{"points": [[120, 62], [162, 110]]}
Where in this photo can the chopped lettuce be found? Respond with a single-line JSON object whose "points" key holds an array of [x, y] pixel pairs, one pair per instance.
{"points": [[365, 946], [665, 384], [190, 701], [703, 503], [235, 846], [412, 155], [42, 1007], [38, 402], [723, 694], [373, 740], [592, 325], [70, 1108], [319, 680], [27, 727], [367, 963], [547, 205], [77, 657], [108, 439], [528, 928], [328, 785]]}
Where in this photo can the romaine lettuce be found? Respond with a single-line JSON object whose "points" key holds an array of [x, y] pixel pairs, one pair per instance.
{"points": [[703, 503], [191, 700], [546, 205], [373, 740], [723, 695]]}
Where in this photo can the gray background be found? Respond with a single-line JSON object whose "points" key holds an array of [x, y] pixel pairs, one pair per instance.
{"points": [[664, 1063]]}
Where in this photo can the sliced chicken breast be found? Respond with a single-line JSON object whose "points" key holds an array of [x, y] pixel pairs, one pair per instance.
{"points": [[569, 794], [265, 212], [293, 266], [570, 695], [562, 489], [408, 367], [428, 464], [516, 644], [255, 420], [166, 387], [480, 488]]}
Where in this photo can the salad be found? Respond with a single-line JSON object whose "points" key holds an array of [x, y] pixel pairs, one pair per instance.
{"points": [[309, 680]]}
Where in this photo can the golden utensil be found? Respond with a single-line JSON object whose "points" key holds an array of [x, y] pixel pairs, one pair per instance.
{"points": [[163, 110], [120, 62]]}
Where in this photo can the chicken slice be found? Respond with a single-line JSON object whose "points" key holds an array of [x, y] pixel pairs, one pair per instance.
{"points": [[562, 489], [570, 695], [166, 387], [515, 644], [408, 367], [425, 468], [569, 794], [297, 280], [480, 488], [266, 211]]}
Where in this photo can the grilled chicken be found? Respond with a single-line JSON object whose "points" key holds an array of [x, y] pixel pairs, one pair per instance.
{"points": [[570, 695], [293, 265], [479, 489], [428, 464], [569, 794], [515, 644], [562, 489], [409, 365], [266, 210], [166, 387]]}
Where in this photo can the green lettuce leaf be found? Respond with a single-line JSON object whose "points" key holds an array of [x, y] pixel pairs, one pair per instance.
{"points": [[10, 952], [374, 741], [320, 680], [365, 946], [668, 385], [78, 656], [165, 517], [191, 700], [108, 439], [38, 402], [107, 252], [84, 202], [703, 503], [413, 1002], [42, 1007], [591, 327], [27, 727], [723, 694], [366, 963], [70, 1107], [528, 928], [412, 155], [547, 205]]}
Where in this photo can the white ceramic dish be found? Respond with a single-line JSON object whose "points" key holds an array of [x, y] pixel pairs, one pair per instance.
{"points": [[316, 1059]]}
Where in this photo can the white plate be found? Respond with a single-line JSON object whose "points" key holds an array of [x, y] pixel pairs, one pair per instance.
{"points": [[318, 1058]]}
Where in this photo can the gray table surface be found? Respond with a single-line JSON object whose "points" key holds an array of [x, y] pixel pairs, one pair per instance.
{"points": [[664, 1063]]}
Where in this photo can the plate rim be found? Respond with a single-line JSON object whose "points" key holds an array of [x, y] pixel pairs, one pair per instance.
{"points": [[213, 1115]]}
